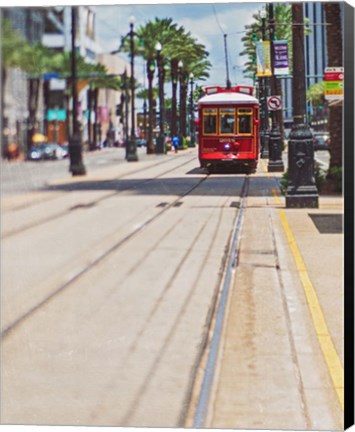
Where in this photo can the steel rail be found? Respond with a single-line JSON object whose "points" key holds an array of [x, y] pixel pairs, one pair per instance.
{"points": [[109, 195], [101, 256], [207, 382]]}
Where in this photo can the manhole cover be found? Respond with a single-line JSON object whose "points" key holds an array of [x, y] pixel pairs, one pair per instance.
{"points": [[328, 223]]}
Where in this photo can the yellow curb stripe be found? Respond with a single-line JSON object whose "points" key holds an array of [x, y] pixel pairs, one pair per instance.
{"points": [[331, 357], [276, 197]]}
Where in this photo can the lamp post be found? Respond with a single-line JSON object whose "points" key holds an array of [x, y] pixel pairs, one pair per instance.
{"points": [[150, 68], [180, 74], [263, 92], [160, 147], [75, 146], [174, 81], [131, 149], [275, 148], [301, 190], [192, 123]]}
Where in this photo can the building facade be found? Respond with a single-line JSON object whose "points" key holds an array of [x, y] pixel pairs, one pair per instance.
{"points": [[316, 60], [30, 23]]}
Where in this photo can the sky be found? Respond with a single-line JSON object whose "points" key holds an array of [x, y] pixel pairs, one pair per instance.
{"points": [[207, 22]]}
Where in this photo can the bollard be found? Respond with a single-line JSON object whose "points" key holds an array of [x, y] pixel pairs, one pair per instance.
{"points": [[76, 166], [160, 146], [131, 151], [275, 151], [301, 190]]}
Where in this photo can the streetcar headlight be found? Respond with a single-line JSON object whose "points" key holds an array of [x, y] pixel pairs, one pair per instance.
{"points": [[227, 146]]}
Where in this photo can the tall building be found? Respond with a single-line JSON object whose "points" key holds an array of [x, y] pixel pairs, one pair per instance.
{"points": [[316, 60]]}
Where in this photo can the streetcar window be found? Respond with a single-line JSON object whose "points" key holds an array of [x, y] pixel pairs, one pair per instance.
{"points": [[227, 120], [245, 121], [209, 121]]}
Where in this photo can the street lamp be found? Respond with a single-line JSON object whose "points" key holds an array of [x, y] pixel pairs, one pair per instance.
{"points": [[131, 149], [275, 148], [160, 147], [192, 123], [301, 190], [180, 73], [75, 146], [263, 94], [174, 82]]}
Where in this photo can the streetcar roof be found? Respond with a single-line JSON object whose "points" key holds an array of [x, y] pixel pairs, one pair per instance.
{"points": [[227, 98]]}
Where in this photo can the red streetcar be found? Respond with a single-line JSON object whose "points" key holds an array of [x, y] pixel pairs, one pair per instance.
{"points": [[229, 128]]}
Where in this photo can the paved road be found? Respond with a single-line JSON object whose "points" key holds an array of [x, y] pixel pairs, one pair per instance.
{"points": [[32, 175], [110, 284], [106, 293]]}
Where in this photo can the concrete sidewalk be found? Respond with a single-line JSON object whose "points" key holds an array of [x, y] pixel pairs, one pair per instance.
{"points": [[282, 356]]}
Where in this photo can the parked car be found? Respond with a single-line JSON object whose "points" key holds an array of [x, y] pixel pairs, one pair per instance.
{"points": [[48, 151], [141, 142], [321, 140]]}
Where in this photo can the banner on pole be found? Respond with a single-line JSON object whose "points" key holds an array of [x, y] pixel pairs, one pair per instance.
{"points": [[263, 59], [280, 50]]}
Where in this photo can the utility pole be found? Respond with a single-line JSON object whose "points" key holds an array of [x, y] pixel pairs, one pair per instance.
{"points": [[75, 146], [301, 191], [275, 148]]}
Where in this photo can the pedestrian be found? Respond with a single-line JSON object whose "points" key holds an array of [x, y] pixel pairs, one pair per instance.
{"points": [[175, 143]]}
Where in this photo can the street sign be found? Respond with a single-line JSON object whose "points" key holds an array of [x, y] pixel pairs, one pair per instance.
{"points": [[274, 103], [333, 83], [56, 114], [50, 75]]}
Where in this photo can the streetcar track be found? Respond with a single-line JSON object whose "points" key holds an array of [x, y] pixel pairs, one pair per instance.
{"points": [[213, 344], [67, 211], [173, 328], [60, 195], [118, 244], [301, 389]]}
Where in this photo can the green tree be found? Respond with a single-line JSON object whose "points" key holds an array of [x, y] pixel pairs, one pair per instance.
{"points": [[12, 45], [283, 31], [38, 61], [176, 45]]}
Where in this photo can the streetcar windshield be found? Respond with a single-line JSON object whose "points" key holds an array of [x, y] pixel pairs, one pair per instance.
{"points": [[227, 120], [209, 121], [244, 121]]}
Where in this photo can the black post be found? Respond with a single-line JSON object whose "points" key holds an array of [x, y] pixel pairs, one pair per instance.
{"points": [[180, 75], [75, 147], [264, 113], [145, 120], [275, 148], [192, 123], [301, 191], [160, 147], [174, 79], [131, 149]]}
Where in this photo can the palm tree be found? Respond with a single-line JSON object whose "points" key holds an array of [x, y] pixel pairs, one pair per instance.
{"points": [[95, 84], [335, 120], [38, 60], [176, 45]]}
